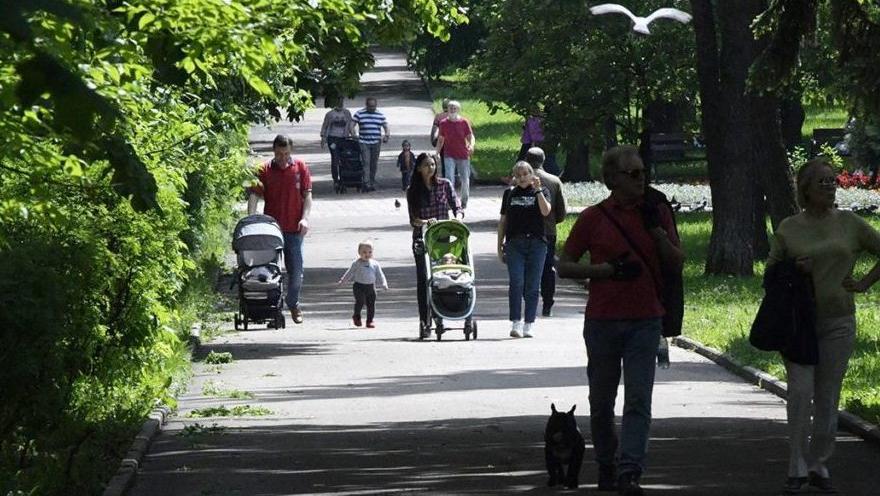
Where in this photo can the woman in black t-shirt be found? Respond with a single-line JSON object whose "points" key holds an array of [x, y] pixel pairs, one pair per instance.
{"points": [[522, 244]]}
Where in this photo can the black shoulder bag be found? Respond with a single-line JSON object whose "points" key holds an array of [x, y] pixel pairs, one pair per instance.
{"points": [[670, 290]]}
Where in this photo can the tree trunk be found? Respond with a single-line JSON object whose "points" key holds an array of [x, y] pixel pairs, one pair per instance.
{"points": [[577, 162], [663, 116], [610, 128], [726, 126], [792, 117], [708, 73], [761, 241], [771, 160]]}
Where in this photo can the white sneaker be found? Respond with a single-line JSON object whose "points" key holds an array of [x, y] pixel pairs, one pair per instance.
{"points": [[527, 329], [516, 328]]}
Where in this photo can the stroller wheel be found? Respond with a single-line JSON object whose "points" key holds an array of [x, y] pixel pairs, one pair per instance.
{"points": [[474, 326], [244, 322], [237, 321]]}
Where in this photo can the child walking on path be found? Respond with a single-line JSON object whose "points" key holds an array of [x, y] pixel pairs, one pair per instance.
{"points": [[406, 162], [366, 274]]}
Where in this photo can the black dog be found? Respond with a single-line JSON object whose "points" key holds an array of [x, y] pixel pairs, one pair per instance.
{"points": [[563, 445]]}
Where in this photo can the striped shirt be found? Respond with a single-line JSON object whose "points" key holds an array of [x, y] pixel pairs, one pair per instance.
{"points": [[369, 126]]}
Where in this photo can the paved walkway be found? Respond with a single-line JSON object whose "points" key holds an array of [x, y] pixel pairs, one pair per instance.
{"points": [[358, 411]]}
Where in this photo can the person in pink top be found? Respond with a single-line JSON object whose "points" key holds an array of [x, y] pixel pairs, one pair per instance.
{"points": [[456, 143], [532, 135]]}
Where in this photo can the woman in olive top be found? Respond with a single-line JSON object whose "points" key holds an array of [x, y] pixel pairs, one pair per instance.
{"points": [[826, 243]]}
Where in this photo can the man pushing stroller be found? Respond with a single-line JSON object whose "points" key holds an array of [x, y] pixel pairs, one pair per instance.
{"points": [[285, 183]]}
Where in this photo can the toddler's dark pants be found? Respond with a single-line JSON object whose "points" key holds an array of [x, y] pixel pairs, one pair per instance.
{"points": [[365, 293]]}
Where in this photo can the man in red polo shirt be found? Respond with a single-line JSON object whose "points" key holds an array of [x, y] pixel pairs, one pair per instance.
{"points": [[286, 186], [628, 241]]}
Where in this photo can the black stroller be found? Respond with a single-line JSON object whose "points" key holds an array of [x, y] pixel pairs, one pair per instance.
{"points": [[351, 165], [259, 247]]}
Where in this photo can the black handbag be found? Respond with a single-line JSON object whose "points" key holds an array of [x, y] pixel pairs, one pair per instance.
{"points": [[786, 319], [670, 290]]}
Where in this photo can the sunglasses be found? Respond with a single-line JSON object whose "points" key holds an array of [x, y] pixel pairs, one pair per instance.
{"points": [[633, 173]]}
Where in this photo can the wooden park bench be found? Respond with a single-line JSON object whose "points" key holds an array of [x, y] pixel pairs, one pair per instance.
{"points": [[668, 147], [826, 136]]}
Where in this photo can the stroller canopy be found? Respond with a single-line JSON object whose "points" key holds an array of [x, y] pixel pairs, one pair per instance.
{"points": [[257, 232], [447, 236]]}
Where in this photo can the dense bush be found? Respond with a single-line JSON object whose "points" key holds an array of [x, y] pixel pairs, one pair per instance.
{"points": [[123, 142], [91, 326]]}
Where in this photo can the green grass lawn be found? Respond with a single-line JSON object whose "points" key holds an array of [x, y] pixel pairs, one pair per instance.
{"points": [[822, 117], [498, 135], [719, 311]]}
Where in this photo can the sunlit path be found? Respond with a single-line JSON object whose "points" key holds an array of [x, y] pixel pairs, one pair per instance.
{"points": [[355, 411]]}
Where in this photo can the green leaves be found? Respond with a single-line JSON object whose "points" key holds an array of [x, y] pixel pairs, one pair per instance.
{"points": [[584, 70], [123, 144], [130, 176], [145, 20]]}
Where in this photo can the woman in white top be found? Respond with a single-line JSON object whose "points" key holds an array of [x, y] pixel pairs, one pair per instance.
{"points": [[336, 127]]}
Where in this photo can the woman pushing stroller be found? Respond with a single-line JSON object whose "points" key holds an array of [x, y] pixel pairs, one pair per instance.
{"points": [[429, 198]]}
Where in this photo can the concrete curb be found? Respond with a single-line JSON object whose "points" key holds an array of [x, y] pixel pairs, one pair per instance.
{"points": [[128, 468], [850, 422]]}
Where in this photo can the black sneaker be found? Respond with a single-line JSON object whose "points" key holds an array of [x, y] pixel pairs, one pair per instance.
{"points": [[822, 483], [607, 478], [793, 485], [628, 485], [547, 311], [424, 331]]}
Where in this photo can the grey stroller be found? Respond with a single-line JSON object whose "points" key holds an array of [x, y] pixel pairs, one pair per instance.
{"points": [[259, 248]]}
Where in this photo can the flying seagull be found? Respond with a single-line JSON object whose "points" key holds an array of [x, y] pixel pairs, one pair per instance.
{"points": [[640, 24]]}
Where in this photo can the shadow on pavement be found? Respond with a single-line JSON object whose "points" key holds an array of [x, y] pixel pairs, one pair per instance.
{"points": [[261, 351], [499, 455]]}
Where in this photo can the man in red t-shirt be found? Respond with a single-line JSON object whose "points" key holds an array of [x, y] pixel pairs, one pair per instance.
{"points": [[628, 240], [435, 126], [456, 144], [285, 183]]}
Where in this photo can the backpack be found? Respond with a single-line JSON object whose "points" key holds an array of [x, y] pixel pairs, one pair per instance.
{"points": [[672, 292], [670, 289]]}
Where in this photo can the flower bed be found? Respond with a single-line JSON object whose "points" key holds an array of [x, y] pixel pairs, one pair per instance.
{"points": [[580, 195], [857, 179]]}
